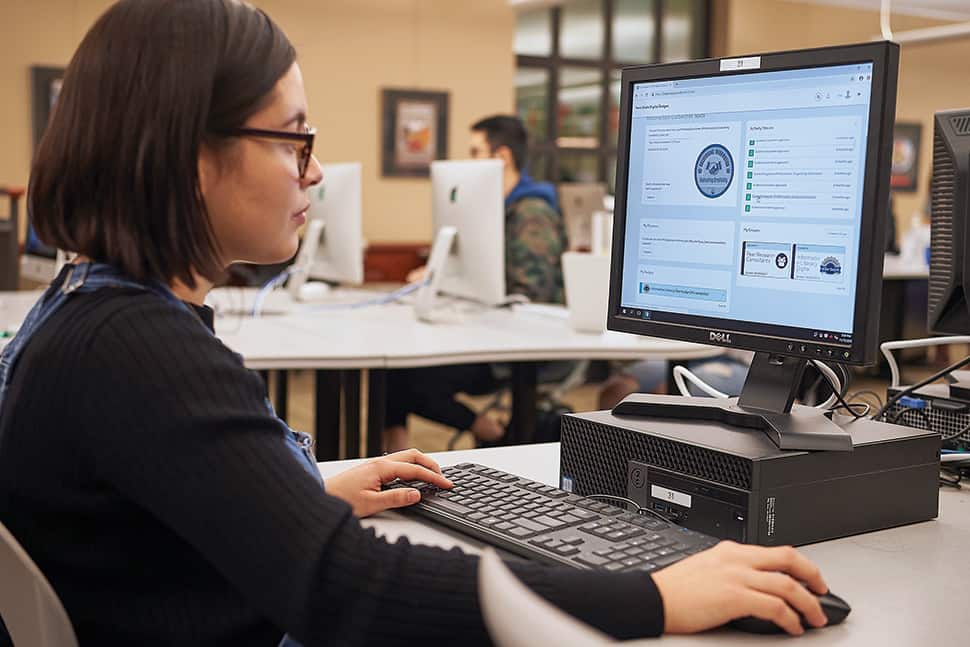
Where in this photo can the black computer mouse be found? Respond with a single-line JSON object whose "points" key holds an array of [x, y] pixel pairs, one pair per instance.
{"points": [[834, 608]]}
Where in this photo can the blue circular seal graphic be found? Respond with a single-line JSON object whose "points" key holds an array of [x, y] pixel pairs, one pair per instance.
{"points": [[714, 171]]}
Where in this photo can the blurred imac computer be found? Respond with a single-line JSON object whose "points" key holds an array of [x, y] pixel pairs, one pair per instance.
{"points": [[333, 246], [750, 214], [578, 202], [468, 255], [949, 285], [39, 262]]}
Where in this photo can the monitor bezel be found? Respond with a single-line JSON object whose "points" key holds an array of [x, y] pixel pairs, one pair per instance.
{"points": [[884, 57]]}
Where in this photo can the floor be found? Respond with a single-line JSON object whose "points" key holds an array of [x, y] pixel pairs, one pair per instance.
{"points": [[430, 437]]}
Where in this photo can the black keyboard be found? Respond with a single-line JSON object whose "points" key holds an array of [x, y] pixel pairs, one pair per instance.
{"points": [[547, 524]]}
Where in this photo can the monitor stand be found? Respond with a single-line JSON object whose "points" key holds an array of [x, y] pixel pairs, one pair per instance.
{"points": [[765, 404], [424, 301]]}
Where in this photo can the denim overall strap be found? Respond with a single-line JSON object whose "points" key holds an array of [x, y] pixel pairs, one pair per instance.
{"points": [[83, 277], [89, 277]]}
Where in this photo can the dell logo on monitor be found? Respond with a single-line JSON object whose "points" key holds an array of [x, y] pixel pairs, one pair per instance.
{"points": [[721, 337]]}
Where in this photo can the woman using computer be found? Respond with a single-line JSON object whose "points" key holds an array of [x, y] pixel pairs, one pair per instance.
{"points": [[140, 463]]}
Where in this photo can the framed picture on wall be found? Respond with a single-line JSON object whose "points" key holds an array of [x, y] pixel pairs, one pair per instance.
{"points": [[905, 169], [45, 88], [414, 131]]}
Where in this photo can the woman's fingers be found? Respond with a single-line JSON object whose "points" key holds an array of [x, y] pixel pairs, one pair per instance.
{"points": [[774, 609], [785, 559], [394, 498], [791, 592], [389, 470], [414, 456]]}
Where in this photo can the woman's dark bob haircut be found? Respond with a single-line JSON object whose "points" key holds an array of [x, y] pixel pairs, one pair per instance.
{"points": [[115, 177]]}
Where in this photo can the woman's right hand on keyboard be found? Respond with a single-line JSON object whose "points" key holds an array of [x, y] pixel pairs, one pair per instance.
{"points": [[361, 486], [735, 580]]}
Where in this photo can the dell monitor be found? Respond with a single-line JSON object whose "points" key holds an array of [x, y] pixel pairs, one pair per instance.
{"points": [[949, 284], [333, 243], [750, 213], [468, 210]]}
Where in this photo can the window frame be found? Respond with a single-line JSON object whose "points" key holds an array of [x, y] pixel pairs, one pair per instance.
{"points": [[606, 149]]}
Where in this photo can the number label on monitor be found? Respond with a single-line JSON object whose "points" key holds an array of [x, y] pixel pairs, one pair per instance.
{"points": [[746, 63]]}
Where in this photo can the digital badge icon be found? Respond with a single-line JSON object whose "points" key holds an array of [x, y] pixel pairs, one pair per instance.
{"points": [[714, 171]]}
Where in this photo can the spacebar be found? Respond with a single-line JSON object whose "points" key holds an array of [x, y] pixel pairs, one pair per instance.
{"points": [[447, 506]]}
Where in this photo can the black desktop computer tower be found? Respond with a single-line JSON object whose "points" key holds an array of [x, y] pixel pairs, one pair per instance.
{"points": [[736, 484]]}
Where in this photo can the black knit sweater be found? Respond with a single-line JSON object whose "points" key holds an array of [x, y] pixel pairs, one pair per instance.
{"points": [[140, 470]]}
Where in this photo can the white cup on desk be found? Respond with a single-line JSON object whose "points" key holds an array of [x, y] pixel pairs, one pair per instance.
{"points": [[587, 281]]}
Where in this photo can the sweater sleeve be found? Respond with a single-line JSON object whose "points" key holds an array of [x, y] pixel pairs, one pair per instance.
{"points": [[182, 431], [534, 244]]}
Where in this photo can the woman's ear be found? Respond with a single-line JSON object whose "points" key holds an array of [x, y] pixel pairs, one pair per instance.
{"points": [[207, 169]]}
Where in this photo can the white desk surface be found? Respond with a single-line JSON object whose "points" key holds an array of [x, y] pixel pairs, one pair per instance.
{"points": [[907, 586], [389, 336], [482, 335]]}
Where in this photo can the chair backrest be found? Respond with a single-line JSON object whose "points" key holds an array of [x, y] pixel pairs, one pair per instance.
{"points": [[32, 612], [517, 617]]}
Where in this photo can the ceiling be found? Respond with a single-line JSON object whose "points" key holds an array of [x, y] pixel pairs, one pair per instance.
{"points": [[951, 10]]}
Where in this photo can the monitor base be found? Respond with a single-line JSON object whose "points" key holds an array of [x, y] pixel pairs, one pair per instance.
{"points": [[804, 428]]}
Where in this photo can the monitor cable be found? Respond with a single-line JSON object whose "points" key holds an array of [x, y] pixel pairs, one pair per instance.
{"points": [[908, 390]]}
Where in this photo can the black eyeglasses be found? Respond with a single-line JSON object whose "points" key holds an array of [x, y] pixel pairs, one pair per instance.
{"points": [[303, 155]]}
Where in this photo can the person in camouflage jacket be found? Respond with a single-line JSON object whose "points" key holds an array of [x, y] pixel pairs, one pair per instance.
{"points": [[535, 238]]}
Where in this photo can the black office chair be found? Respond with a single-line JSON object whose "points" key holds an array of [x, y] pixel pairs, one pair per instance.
{"points": [[10, 241]]}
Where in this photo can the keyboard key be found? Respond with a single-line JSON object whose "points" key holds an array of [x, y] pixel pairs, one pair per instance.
{"points": [[532, 525], [666, 561], [592, 560], [613, 567], [631, 561], [454, 508], [569, 519], [519, 532], [566, 550], [555, 524], [573, 539], [503, 526]]}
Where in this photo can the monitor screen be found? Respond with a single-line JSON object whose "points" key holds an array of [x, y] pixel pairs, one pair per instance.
{"points": [[744, 201]]}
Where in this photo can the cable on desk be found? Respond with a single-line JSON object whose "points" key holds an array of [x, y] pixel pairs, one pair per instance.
{"points": [[640, 509], [857, 394], [375, 301], [903, 411], [956, 434], [837, 391], [893, 400]]}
